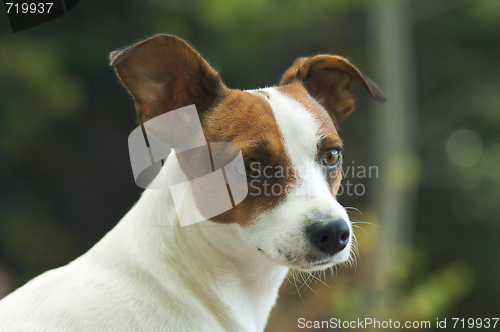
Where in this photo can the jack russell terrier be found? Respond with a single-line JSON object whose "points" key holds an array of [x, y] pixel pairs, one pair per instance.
{"points": [[221, 274]]}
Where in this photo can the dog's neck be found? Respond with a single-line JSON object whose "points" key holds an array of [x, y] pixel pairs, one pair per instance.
{"points": [[233, 280]]}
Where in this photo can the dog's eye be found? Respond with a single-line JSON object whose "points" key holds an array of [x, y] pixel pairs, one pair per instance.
{"points": [[252, 169], [331, 157]]}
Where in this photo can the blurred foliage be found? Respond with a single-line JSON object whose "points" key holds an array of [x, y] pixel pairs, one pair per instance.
{"points": [[65, 178]]}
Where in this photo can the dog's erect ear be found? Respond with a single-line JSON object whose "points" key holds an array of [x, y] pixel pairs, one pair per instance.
{"points": [[328, 79], [164, 73]]}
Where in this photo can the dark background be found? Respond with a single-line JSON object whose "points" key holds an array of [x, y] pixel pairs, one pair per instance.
{"points": [[65, 176]]}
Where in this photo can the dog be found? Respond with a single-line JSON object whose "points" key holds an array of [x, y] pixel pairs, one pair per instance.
{"points": [[224, 273]]}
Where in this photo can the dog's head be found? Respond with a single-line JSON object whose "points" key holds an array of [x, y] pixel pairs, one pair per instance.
{"points": [[287, 135]]}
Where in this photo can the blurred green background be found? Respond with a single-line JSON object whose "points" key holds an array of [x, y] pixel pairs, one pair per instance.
{"points": [[429, 218]]}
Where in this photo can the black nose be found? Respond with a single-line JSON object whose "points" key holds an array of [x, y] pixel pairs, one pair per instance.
{"points": [[330, 238]]}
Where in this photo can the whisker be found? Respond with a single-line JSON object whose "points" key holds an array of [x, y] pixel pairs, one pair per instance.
{"points": [[306, 283], [365, 222], [323, 124], [295, 284], [318, 279], [353, 208]]}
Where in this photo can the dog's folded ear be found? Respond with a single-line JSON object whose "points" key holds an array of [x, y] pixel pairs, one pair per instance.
{"points": [[164, 73], [328, 79]]}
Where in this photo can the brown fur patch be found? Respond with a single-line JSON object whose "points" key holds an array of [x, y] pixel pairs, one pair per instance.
{"points": [[246, 119]]}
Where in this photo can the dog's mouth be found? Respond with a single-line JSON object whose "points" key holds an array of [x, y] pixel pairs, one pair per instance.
{"points": [[316, 265], [321, 263], [311, 262]]}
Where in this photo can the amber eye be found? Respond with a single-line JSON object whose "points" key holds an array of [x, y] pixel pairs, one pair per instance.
{"points": [[331, 157]]}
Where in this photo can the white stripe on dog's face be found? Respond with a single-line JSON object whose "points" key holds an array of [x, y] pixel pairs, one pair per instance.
{"points": [[299, 130], [280, 232]]}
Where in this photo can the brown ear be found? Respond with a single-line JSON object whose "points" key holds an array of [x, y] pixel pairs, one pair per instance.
{"points": [[328, 79], [164, 73]]}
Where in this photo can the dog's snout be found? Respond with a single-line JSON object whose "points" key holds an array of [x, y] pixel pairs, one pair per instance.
{"points": [[331, 237]]}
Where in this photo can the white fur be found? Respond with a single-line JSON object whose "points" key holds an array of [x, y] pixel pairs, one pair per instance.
{"points": [[149, 274]]}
